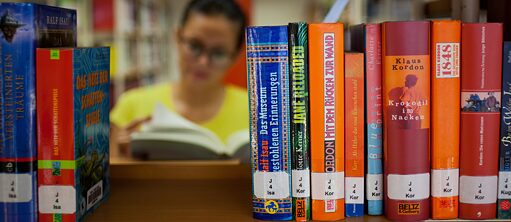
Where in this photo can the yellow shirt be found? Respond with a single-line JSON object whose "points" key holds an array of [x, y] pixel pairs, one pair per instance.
{"points": [[140, 103]]}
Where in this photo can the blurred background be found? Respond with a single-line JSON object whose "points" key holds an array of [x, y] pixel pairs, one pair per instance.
{"points": [[141, 32]]}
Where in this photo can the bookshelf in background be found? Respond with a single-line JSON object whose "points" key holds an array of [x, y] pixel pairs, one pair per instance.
{"points": [[138, 32]]}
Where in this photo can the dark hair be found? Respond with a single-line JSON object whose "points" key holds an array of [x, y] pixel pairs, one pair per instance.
{"points": [[228, 8]]}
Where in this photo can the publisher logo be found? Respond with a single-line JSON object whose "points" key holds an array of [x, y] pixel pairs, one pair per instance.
{"points": [[330, 206], [271, 207], [408, 208], [505, 205], [300, 209]]}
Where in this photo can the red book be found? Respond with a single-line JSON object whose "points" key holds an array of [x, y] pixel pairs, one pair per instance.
{"points": [[481, 73], [72, 131], [406, 106]]}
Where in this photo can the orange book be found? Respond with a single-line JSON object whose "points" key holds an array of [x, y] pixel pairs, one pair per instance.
{"points": [[326, 89], [354, 132], [445, 114]]}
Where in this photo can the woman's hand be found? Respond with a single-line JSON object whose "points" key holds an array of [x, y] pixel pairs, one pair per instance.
{"points": [[121, 137]]}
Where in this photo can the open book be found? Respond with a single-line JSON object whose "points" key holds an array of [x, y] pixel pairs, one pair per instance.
{"points": [[168, 136]]}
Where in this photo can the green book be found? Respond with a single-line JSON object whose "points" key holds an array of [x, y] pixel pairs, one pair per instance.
{"points": [[299, 98]]}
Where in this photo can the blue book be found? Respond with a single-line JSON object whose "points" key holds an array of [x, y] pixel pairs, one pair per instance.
{"points": [[268, 83], [504, 189], [23, 28], [366, 38]]}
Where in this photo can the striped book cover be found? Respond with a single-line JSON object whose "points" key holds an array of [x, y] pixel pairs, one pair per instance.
{"points": [[326, 48], [445, 118], [354, 133], [268, 84], [367, 39], [300, 128]]}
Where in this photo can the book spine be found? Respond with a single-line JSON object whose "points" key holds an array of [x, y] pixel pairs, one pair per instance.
{"points": [[300, 132], [17, 173], [374, 119], [91, 127], [326, 58], [504, 189], [445, 115], [56, 165], [406, 83], [481, 64], [354, 134], [267, 67]]}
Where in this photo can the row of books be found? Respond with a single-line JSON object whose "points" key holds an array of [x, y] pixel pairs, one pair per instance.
{"points": [[54, 103], [406, 125]]}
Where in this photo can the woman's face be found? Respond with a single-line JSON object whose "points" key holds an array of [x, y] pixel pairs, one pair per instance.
{"points": [[207, 46]]}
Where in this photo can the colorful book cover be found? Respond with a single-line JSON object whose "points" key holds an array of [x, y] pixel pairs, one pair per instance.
{"points": [[23, 28], [504, 189], [268, 83], [445, 118], [367, 39], [354, 133], [481, 84], [406, 87], [73, 131], [300, 123], [326, 67]]}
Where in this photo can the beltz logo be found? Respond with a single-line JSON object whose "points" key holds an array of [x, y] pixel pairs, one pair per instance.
{"points": [[408, 208], [271, 207]]}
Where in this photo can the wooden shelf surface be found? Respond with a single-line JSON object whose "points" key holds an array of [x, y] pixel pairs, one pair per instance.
{"points": [[181, 191]]}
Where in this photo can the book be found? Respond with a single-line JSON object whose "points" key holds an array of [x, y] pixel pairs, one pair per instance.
{"points": [[73, 131], [354, 133], [300, 120], [24, 27], [367, 39], [504, 184], [406, 105], [267, 68], [169, 136], [481, 66], [326, 89], [445, 117]]}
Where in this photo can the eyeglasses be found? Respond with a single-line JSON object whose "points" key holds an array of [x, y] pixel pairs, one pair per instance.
{"points": [[216, 56]]}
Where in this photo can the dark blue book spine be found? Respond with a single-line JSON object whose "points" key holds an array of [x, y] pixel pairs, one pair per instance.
{"points": [[24, 27], [17, 27], [504, 190], [268, 77]]}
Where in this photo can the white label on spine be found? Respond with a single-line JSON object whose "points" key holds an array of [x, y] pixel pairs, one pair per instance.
{"points": [[301, 183], [327, 186], [444, 183], [57, 199], [354, 190], [408, 187], [374, 184], [271, 185], [504, 185], [478, 190], [94, 194], [15, 188]]}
